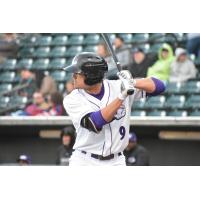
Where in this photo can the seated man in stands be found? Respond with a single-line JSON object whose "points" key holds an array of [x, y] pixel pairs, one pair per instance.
{"points": [[182, 68], [135, 154], [161, 68], [24, 160], [38, 107], [122, 51], [141, 63]]}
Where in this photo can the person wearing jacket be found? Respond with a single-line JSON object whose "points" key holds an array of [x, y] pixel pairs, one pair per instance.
{"points": [[182, 68], [161, 68]]}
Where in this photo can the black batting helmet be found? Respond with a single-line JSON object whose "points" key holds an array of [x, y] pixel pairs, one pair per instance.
{"points": [[91, 65]]}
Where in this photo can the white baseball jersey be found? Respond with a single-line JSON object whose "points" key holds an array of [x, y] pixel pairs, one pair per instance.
{"points": [[114, 136]]}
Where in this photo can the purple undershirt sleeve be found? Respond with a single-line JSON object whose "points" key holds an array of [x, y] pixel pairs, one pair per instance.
{"points": [[160, 87], [98, 119]]}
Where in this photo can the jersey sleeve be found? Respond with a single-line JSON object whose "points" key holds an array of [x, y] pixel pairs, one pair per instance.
{"points": [[76, 107]]}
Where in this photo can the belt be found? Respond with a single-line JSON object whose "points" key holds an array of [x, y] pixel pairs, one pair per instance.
{"points": [[100, 157]]}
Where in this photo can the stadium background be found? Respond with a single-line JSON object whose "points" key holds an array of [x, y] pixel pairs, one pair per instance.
{"points": [[45, 52]]}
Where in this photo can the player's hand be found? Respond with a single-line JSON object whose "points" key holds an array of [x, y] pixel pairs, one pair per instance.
{"points": [[128, 83]]}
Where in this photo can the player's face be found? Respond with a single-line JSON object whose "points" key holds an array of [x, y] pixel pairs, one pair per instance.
{"points": [[78, 79]]}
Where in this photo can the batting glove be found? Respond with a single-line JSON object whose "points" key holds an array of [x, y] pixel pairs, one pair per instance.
{"points": [[128, 84]]}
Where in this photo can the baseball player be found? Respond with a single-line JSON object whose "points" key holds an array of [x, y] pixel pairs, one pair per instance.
{"points": [[100, 110]]}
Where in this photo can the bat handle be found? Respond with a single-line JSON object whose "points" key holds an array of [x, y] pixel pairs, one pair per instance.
{"points": [[130, 92]]}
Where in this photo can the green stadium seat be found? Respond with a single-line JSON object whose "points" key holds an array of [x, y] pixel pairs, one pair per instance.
{"points": [[145, 47], [6, 87], [76, 39], [178, 113], [191, 87], [59, 51], [90, 48], [140, 38], [111, 36], [60, 76], [197, 61], [4, 102], [9, 64], [41, 64], [72, 51], [128, 37], [139, 105], [195, 113], [157, 37], [28, 41], [60, 40], [26, 52], [173, 88], [156, 102], [61, 87], [193, 102], [17, 101], [44, 41], [92, 39], [25, 62], [57, 63], [8, 77], [175, 102], [42, 52], [155, 48], [138, 113], [157, 113]]}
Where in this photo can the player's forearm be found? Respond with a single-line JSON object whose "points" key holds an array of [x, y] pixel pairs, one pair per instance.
{"points": [[110, 110]]}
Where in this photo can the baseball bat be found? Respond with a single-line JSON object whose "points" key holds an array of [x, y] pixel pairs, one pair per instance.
{"points": [[111, 50]]}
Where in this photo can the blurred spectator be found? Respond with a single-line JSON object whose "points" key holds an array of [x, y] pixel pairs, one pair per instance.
{"points": [[135, 154], [38, 107], [45, 83], [64, 151], [55, 102], [193, 44], [103, 52], [141, 63], [122, 51], [182, 68], [8, 46], [23, 160], [69, 86], [161, 68]]}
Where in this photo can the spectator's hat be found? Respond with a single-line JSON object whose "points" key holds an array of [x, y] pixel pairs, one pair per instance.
{"points": [[180, 51], [132, 137], [137, 49], [24, 158], [67, 131]]}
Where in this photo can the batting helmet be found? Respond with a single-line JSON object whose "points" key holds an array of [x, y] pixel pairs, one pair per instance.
{"points": [[91, 65]]}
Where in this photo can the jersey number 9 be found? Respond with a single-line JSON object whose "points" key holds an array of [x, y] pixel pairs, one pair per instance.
{"points": [[122, 132]]}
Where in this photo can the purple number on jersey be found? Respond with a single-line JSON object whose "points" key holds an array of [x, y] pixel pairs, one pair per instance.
{"points": [[122, 132]]}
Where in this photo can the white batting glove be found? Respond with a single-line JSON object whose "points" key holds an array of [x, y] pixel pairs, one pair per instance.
{"points": [[128, 83]]}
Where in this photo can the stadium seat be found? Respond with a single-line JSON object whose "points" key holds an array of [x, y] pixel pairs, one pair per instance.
{"points": [[60, 40], [191, 87], [75, 39], [58, 51], [72, 51], [90, 49], [140, 38], [195, 113], [155, 48], [44, 41], [17, 101], [157, 113], [57, 63], [173, 88], [26, 52], [157, 37], [5, 87], [128, 37], [138, 105], [25, 62], [175, 101], [60, 76], [177, 113], [42, 52], [144, 47], [156, 102], [193, 102], [92, 39], [28, 41], [4, 102], [8, 77], [197, 61], [139, 113], [9, 64], [41, 64], [61, 87], [111, 37]]}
